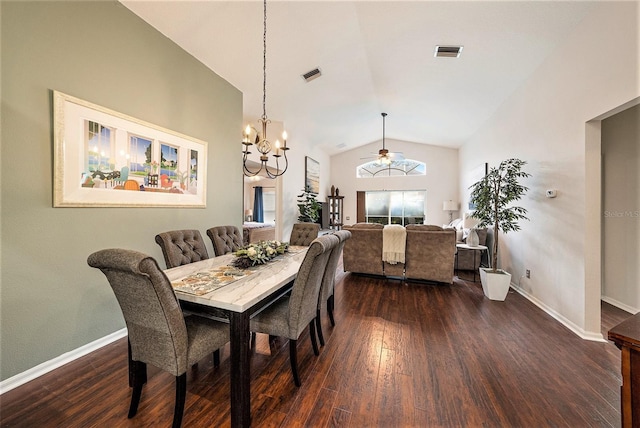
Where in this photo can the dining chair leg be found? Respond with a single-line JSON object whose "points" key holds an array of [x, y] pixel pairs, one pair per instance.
{"points": [[319, 327], [312, 333], [293, 359], [181, 396], [137, 377], [330, 310], [216, 358], [143, 377]]}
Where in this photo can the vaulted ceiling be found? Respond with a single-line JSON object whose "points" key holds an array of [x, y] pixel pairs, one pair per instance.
{"points": [[375, 56]]}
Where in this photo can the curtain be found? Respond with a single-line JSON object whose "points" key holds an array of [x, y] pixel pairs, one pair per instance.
{"points": [[258, 205]]}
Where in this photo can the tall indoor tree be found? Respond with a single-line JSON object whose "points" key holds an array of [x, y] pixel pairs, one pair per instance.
{"points": [[493, 195]]}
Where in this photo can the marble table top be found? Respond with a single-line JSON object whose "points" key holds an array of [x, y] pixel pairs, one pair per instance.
{"points": [[242, 294]]}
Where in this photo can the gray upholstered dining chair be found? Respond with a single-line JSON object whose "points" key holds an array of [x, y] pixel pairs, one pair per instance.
{"points": [[291, 314], [329, 281], [158, 332], [225, 239], [304, 233], [181, 247]]}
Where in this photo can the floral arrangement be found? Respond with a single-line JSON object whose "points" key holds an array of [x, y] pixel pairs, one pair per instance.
{"points": [[259, 253], [154, 167]]}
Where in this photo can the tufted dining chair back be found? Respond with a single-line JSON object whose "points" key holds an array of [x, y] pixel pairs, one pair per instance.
{"points": [[181, 247], [304, 233], [328, 282], [291, 314], [158, 332], [225, 239]]}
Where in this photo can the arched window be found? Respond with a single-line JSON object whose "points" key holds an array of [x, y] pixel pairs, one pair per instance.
{"points": [[400, 167]]}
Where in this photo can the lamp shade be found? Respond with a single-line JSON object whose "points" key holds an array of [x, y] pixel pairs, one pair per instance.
{"points": [[248, 212], [449, 205]]}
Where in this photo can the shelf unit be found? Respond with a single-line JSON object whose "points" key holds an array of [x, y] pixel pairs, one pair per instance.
{"points": [[335, 212]]}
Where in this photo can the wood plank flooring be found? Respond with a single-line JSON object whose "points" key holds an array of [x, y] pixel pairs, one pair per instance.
{"points": [[401, 355]]}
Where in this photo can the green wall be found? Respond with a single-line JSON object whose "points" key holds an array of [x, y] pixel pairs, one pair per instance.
{"points": [[51, 302]]}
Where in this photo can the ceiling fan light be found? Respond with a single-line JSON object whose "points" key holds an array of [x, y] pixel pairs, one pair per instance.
{"points": [[385, 159]]}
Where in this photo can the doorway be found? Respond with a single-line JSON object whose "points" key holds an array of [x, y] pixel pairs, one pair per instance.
{"points": [[597, 263]]}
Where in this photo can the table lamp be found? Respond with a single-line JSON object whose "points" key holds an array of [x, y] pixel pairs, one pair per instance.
{"points": [[450, 206]]}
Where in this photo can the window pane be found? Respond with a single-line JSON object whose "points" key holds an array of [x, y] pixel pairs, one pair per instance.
{"points": [[414, 203], [396, 200], [140, 155], [168, 161], [395, 207], [98, 143], [377, 203], [396, 220], [380, 220]]}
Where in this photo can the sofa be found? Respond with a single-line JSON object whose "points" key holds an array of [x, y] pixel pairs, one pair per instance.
{"points": [[429, 253]]}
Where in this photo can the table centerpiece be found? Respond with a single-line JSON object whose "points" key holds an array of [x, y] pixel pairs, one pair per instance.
{"points": [[259, 253]]}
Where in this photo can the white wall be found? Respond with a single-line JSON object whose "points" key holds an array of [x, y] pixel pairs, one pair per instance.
{"points": [[293, 183], [592, 72], [440, 182], [621, 200]]}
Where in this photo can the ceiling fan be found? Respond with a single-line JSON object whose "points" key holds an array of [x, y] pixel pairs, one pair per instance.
{"points": [[385, 156]]}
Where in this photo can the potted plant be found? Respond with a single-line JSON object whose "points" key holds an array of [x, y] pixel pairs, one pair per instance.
{"points": [[492, 197], [309, 207]]}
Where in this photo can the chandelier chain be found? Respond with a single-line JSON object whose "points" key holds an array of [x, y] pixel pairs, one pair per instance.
{"points": [[264, 64], [263, 146]]}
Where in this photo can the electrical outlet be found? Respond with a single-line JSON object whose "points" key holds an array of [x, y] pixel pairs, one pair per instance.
{"points": [[528, 273]]}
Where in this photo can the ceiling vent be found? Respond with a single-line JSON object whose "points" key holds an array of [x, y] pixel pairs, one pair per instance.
{"points": [[313, 74], [448, 51]]}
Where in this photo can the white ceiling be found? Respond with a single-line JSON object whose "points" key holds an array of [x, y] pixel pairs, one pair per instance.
{"points": [[375, 56]]}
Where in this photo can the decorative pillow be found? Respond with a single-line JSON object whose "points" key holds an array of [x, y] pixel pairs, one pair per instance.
{"points": [[456, 223]]}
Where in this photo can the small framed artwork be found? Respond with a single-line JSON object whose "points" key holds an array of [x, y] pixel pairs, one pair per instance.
{"points": [[475, 175], [103, 158], [312, 175]]}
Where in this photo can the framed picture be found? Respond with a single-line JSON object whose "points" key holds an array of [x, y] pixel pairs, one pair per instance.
{"points": [[312, 175], [474, 176], [103, 158]]}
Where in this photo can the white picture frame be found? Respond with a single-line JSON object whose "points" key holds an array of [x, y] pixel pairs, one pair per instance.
{"points": [[103, 158]]}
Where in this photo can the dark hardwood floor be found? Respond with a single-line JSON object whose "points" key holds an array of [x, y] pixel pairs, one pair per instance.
{"points": [[401, 355]]}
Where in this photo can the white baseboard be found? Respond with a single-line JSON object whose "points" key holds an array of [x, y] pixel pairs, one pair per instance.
{"points": [[587, 335], [620, 305], [67, 357]]}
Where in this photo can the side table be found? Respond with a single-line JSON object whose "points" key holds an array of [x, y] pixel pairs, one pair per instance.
{"points": [[469, 247]]}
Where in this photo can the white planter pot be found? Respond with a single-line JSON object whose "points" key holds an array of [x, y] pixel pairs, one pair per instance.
{"points": [[495, 285]]}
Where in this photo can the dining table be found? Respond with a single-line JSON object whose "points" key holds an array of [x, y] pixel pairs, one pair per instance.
{"points": [[236, 299]]}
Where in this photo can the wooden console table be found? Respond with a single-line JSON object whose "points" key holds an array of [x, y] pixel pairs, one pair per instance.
{"points": [[626, 336]]}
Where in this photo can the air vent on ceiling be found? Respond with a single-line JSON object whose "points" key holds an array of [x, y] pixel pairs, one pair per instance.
{"points": [[313, 74], [448, 51]]}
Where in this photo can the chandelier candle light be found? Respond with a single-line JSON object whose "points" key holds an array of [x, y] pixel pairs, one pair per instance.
{"points": [[261, 142]]}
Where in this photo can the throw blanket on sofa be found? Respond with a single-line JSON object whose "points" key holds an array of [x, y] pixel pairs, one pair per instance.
{"points": [[394, 238]]}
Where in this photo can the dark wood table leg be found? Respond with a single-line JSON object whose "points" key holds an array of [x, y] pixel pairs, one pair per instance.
{"points": [[240, 370]]}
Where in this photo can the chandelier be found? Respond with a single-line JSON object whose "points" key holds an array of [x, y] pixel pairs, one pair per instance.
{"points": [[261, 142], [383, 153]]}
